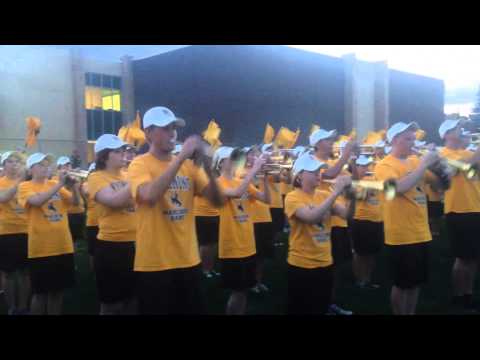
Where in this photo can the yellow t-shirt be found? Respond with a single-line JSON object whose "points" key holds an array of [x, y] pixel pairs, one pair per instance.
{"points": [[309, 245], [432, 195], [285, 188], [236, 235], [92, 216], [13, 219], [259, 211], [202, 207], [405, 217], [113, 224], [369, 209], [463, 195], [48, 231], [79, 209], [166, 236], [276, 201]]}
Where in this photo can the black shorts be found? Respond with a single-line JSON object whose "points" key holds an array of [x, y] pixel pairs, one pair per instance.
{"points": [[113, 263], [463, 233], [207, 229], [239, 274], [13, 252], [409, 264], [309, 290], [367, 237], [52, 273], [435, 209], [264, 239], [76, 223], [171, 292], [92, 232], [278, 220], [341, 245]]}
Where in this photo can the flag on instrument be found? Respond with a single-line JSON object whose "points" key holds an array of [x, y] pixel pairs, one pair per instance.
{"points": [[212, 134], [314, 128], [33, 129], [286, 138], [420, 134], [269, 134]]}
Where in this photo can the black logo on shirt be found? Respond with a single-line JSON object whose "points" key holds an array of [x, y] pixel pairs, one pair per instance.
{"points": [[52, 208], [240, 207], [175, 201]]}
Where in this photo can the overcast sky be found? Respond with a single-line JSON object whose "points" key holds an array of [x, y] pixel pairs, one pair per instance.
{"points": [[457, 65]]}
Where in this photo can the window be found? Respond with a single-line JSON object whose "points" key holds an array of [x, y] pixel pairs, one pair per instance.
{"points": [[103, 103]]}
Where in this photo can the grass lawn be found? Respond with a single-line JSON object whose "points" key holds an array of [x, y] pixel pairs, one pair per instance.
{"points": [[434, 297]]}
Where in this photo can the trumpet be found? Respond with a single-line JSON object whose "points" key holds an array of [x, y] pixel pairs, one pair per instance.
{"points": [[387, 187], [79, 174], [469, 170]]}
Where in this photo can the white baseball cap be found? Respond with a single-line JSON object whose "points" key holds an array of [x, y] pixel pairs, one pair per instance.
{"points": [[321, 134], [161, 116], [307, 162], [298, 150], [108, 141], [63, 160], [222, 152], [7, 154], [446, 126], [38, 158], [265, 147], [398, 128], [363, 160], [91, 167], [387, 149]]}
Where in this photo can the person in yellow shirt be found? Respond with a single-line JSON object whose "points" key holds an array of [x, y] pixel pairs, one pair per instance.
{"points": [[310, 264], [237, 251], [262, 223], [322, 141], [115, 246], [276, 203], [50, 245], [407, 234], [167, 260], [131, 153], [76, 214], [92, 218], [462, 215], [13, 236], [366, 229]]}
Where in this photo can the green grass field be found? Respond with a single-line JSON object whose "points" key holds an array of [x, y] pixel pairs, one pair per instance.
{"points": [[434, 298]]}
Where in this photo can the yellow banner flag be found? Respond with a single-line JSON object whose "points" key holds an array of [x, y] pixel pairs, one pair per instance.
{"points": [[137, 123], [286, 138], [212, 134], [314, 128], [269, 134], [33, 129], [372, 138]]}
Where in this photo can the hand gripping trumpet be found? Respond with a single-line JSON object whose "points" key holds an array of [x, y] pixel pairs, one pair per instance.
{"points": [[387, 187], [469, 170]]}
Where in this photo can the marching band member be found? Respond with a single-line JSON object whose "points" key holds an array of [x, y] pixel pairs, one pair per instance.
{"points": [[236, 238], [262, 223], [367, 229], [13, 236], [276, 204], [462, 213], [115, 246], [76, 214], [322, 141], [167, 260], [407, 234], [310, 263], [92, 217], [50, 245]]}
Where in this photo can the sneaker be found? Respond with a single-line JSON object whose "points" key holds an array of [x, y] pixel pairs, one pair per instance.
{"points": [[255, 289], [213, 272], [208, 274], [263, 287], [338, 310]]}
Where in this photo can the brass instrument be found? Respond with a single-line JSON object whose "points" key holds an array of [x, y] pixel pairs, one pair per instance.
{"points": [[79, 174], [387, 187], [469, 170]]}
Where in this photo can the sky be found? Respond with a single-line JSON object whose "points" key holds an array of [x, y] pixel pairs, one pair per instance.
{"points": [[457, 65]]}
